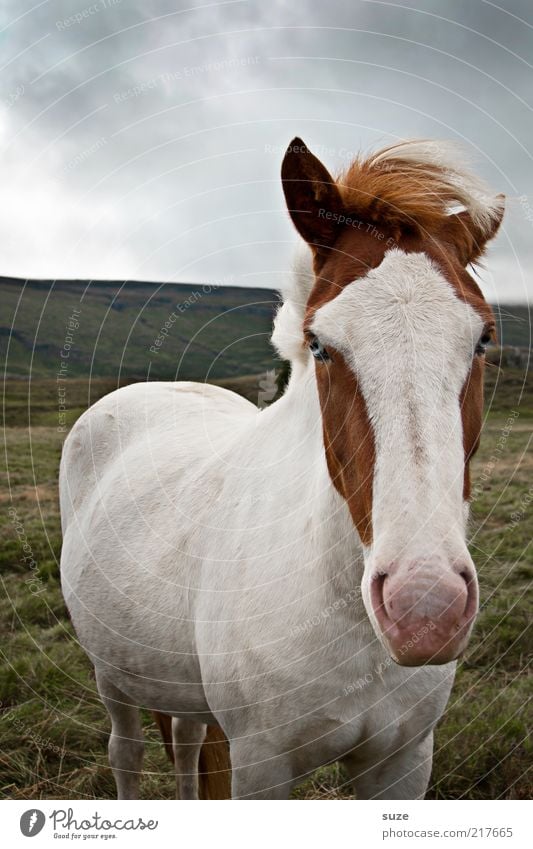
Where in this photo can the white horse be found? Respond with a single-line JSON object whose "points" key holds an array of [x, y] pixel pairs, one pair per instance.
{"points": [[298, 576]]}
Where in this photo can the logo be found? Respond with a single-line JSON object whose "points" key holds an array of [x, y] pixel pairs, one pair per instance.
{"points": [[31, 822], [269, 389]]}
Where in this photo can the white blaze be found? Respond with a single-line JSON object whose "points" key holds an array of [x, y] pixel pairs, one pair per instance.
{"points": [[410, 341]]}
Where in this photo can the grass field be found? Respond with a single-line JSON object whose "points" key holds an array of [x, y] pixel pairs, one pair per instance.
{"points": [[53, 726]]}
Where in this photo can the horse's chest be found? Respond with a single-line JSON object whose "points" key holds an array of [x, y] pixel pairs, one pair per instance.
{"points": [[395, 708], [377, 705]]}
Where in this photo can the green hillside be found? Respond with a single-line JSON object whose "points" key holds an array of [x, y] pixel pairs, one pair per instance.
{"points": [[139, 330]]}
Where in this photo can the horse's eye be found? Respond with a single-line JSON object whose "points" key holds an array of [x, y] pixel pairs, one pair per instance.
{"points": [[318, 351], [481, 346]]}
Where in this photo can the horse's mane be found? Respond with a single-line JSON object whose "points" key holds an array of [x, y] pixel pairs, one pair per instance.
{"points": [[412, 183], [416, 182]]}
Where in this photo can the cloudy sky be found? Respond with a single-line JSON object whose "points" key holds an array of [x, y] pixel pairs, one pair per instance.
{"points": [[144, 140]]}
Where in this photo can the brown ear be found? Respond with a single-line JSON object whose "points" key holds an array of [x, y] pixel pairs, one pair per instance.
{"points": [[312, 196], [469, 237]]}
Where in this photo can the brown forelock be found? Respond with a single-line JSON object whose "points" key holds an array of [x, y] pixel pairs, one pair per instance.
{"points": [[348, 435], [384, 187]]}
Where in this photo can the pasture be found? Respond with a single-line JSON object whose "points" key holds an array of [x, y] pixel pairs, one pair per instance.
{"points": [[53, 727]]}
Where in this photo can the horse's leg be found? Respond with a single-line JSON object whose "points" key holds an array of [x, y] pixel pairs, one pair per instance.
{"points": [[260, 773], [404, 775], [187, 738], [126, 745]]}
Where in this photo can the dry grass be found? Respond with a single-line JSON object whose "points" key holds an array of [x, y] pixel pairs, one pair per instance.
{"points": [[54, 728]]}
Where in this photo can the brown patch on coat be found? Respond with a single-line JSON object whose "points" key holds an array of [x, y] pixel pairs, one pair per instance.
{"points": [[348, 440], [472, 415]]}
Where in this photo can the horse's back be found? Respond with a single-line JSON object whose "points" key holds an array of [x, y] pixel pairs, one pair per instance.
{"points": [[147, 424]]}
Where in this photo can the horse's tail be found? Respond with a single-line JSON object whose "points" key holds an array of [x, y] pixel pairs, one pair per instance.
{"points": [[214, 769], [215, 766]]}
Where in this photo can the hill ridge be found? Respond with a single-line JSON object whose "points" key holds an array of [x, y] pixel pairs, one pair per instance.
{"points": [[156, 330]]}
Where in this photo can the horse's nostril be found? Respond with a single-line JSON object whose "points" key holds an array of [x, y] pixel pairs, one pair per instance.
{"points": [[434, 591], [472, 599], [376, 591]]}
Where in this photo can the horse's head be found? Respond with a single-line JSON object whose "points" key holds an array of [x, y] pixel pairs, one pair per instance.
{"points": [[397, 328]]}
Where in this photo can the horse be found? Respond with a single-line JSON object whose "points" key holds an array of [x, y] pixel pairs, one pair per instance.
{"points": [[291, 587]]}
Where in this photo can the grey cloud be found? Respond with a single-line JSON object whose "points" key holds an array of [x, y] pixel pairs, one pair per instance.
{"points": [[144, 140]]}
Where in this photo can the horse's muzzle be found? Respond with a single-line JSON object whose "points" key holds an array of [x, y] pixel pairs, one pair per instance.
{"points": [[425, 610]]}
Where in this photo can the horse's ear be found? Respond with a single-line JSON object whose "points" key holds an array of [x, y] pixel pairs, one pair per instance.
{"points": [[313, 198], [469, 235]]}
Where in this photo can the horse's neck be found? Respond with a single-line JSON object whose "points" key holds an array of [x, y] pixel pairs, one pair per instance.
{"points": [[297, 417], [288, 470], [291, 432]]}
